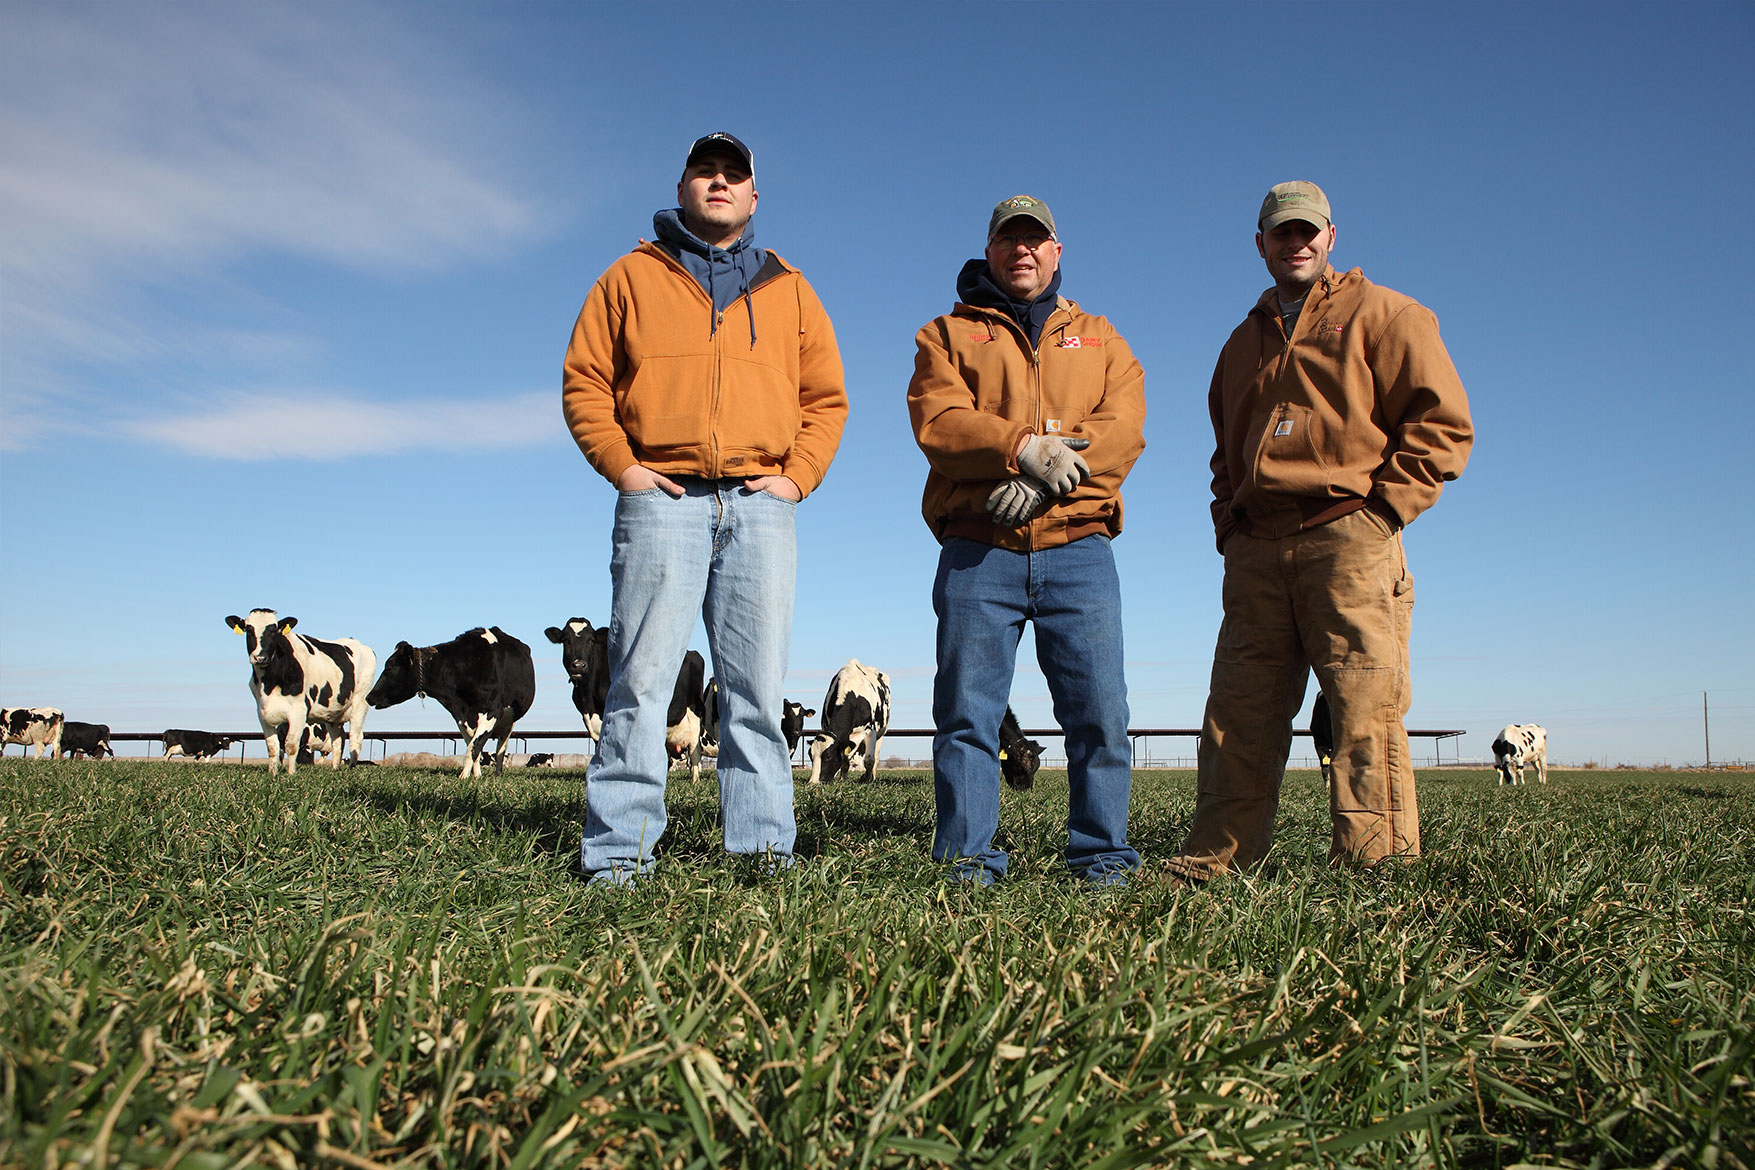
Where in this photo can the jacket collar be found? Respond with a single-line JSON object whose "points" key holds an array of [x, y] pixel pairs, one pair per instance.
{"points": [[1269, 304]]}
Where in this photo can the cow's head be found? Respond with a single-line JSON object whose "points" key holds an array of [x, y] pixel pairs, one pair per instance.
{"points": [[1018, 762], [831, 755], [264, 633], [401, 678], [579, 644]]}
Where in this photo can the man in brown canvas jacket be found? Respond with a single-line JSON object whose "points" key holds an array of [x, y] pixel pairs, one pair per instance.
{"points": [[1338, 417]]}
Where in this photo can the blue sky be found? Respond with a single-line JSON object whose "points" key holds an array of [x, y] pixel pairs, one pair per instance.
{"points": [[284, 290]]}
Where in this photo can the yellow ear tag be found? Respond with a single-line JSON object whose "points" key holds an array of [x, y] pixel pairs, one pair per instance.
{"points": [[237, 629], [1002, 753]]}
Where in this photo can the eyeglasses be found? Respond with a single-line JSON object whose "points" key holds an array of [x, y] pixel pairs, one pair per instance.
{"points": [[1006, 243]]}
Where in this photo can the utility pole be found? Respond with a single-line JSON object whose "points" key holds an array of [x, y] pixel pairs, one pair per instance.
{"points": [[1706, 719]]}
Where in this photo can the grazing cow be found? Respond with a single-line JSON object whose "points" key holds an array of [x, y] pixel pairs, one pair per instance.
{"points": [[585, 654], [38, 727], [1018, 757], [1520, 746], [687, 714], [540, 760], [90, 740], [298, 680], [856, 713], [1322, 734], [197, 745], [484, 678]]}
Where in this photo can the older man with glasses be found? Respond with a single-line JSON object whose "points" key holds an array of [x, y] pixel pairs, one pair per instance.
{"points": [[1029, 411]]}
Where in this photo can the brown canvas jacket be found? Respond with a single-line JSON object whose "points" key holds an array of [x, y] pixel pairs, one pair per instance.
{"points": [[648, 379], [979, 388], [1360, 407]]}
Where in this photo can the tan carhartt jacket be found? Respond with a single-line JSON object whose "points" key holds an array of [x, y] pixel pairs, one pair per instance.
{"points": [[1360, 407], [651, 378], [979, 388]]}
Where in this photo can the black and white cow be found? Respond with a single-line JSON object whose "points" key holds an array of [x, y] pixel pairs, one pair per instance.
{"points": [[687, 713], [298, 680], [585, 654], [1018, 757], [484, 678], [197, 745], [1520, 746], [1322, 734], [38, 727], [792, 717], [856, 713], [540, 760], [90, 740]]}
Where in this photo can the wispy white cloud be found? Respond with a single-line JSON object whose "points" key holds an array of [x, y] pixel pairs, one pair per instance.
{"points": [[147, 150], [323, 426]]}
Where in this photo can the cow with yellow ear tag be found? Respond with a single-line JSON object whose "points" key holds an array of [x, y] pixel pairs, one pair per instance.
{"points": [[298, 680]]}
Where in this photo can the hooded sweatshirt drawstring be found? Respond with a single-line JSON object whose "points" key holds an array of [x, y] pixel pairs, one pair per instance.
{"points": [[704, 262]]}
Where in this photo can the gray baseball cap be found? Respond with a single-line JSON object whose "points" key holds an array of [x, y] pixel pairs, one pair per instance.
{"points": [[1026, 205], [1294, 200]]}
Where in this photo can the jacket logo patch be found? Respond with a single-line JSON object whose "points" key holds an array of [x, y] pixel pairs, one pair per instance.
{"points": [[981, 337], [1077, 342], [1284, 429], [1051, 426]]}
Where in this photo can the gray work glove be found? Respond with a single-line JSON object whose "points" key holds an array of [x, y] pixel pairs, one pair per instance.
{"points": [[1055, 462], [1014, 501]]}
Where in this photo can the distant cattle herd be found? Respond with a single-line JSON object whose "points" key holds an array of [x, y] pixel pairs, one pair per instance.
{"points": [[311, 696]]}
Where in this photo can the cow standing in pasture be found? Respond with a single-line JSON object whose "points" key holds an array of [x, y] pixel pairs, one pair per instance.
{"points": [[856, 714], [1322, 734], [1520, 746], [792, 717], [485, 678], [585, 654], [297, 680], [687, 714], [38, 727], [196, 745], [88, 740], [1018, 757]]}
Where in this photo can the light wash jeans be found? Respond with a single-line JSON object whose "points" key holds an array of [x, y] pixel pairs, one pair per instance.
{"points": [[730, 555], [983, 596]]}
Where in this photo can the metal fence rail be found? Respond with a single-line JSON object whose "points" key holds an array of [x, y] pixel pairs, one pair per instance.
{"points": [[383, 739]]}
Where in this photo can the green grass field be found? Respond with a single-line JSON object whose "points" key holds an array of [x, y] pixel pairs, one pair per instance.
{"points": [[204, 966]]}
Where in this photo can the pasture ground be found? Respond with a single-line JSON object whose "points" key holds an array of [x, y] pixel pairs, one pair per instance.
{"points": [[209, 967]]}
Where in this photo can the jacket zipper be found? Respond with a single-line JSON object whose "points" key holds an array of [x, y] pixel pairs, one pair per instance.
{"points": [[718, 346], [1036, 375]]}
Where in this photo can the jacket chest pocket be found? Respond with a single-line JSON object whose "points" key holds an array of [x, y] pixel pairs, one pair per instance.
{"points": [[1073, 380]]}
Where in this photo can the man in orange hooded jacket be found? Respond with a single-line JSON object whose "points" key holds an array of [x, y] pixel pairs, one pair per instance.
{"points": [[704, 382]]}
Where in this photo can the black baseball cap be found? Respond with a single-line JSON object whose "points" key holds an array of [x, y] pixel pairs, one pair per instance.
{"points": [[720, 140]]}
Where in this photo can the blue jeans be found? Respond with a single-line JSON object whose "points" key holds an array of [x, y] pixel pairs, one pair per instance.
{"points": [[983, 596], [729, 555]]}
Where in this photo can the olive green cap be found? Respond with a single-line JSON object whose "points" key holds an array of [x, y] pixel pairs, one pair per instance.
{"points": [[1294, 200], [1018, 205]]}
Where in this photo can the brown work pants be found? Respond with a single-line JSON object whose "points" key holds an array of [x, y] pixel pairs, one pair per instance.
{"points": [[1338, 598]]}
